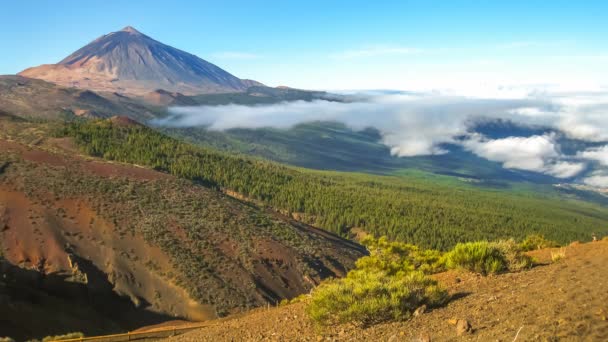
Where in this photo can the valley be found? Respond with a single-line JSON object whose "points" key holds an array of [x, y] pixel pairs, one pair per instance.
{"points": [[143, 187], [413, 209]]}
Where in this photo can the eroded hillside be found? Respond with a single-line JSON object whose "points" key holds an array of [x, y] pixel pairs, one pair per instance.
{"points": [[127, 246]]}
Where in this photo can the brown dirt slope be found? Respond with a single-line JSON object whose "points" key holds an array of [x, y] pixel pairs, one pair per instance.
{"points": [[132, 246], [33, 98], [564, 301]]}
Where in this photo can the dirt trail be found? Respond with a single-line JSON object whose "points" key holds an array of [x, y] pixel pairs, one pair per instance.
{"points": [[564, 301]]}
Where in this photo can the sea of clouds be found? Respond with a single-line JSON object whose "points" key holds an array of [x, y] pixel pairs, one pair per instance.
{"points": [[416, 124]]}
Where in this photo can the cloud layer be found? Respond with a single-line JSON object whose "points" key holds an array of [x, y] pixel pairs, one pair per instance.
{"points": [[419, 124], [599, 154], [536, 153]]}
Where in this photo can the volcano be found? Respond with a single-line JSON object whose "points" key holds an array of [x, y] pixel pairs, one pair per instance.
{"points": [[130, 62]]}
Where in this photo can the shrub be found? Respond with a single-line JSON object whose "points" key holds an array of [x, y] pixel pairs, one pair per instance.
{"points": [[389, 284], [536, 241], [513, 255], [488, 257], [399, 258], [63, 337], [365, 298], [6, 339], [558, 255], [479, 257]]}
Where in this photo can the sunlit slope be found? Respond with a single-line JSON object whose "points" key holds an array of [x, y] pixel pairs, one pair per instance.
{"points": [[412, 209], [125, 246]]}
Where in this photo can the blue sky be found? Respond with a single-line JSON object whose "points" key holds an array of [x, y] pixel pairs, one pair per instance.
{"points": [[338, 44]]}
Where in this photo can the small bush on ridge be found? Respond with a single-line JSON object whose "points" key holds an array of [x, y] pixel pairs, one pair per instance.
{"points": [[399, 258], [536, 241], [389, 284], [515, 259], [488, 257], [558, 255], [366, 298]]}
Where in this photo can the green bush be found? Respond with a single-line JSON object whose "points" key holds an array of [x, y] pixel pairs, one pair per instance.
{"points": [[389, 284], [536, 241], [488, 257], [6, 339], [365, 298], [513, 255], [479, 257], [398, 258], [63, 337]]}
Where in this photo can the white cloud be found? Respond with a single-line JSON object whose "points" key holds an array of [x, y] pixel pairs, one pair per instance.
{"points": [[599, 154], [580, 115], [410, 125], [564, 169], [537, 153], [586, 122], [415, 124], [515, 152], [598, 179]]}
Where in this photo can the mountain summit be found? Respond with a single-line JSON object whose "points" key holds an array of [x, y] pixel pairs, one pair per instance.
{"points": [[130, 62]]}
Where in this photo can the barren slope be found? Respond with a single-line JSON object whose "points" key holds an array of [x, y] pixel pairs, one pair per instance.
{"points": [[32, 98], [565, 301], [132, 246]]}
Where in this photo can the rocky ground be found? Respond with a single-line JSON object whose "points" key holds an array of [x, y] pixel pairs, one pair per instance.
{"points": [[562, 301]]}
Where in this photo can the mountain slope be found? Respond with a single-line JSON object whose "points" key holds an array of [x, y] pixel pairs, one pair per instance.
{"points": [[130, 62], [133, 246], [31, 98]]}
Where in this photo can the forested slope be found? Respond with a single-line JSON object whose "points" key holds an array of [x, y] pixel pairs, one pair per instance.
{"points": [[411, 210]]}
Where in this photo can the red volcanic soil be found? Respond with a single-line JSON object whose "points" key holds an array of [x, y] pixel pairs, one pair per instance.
{"points": [[103, 169], [62, 219], [37, 232]]}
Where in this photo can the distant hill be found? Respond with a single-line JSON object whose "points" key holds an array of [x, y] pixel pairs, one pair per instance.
{"points": [[31, 98], [129, 62]]}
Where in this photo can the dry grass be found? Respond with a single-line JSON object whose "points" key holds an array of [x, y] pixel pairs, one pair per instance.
{"points": [[557, 255]]}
